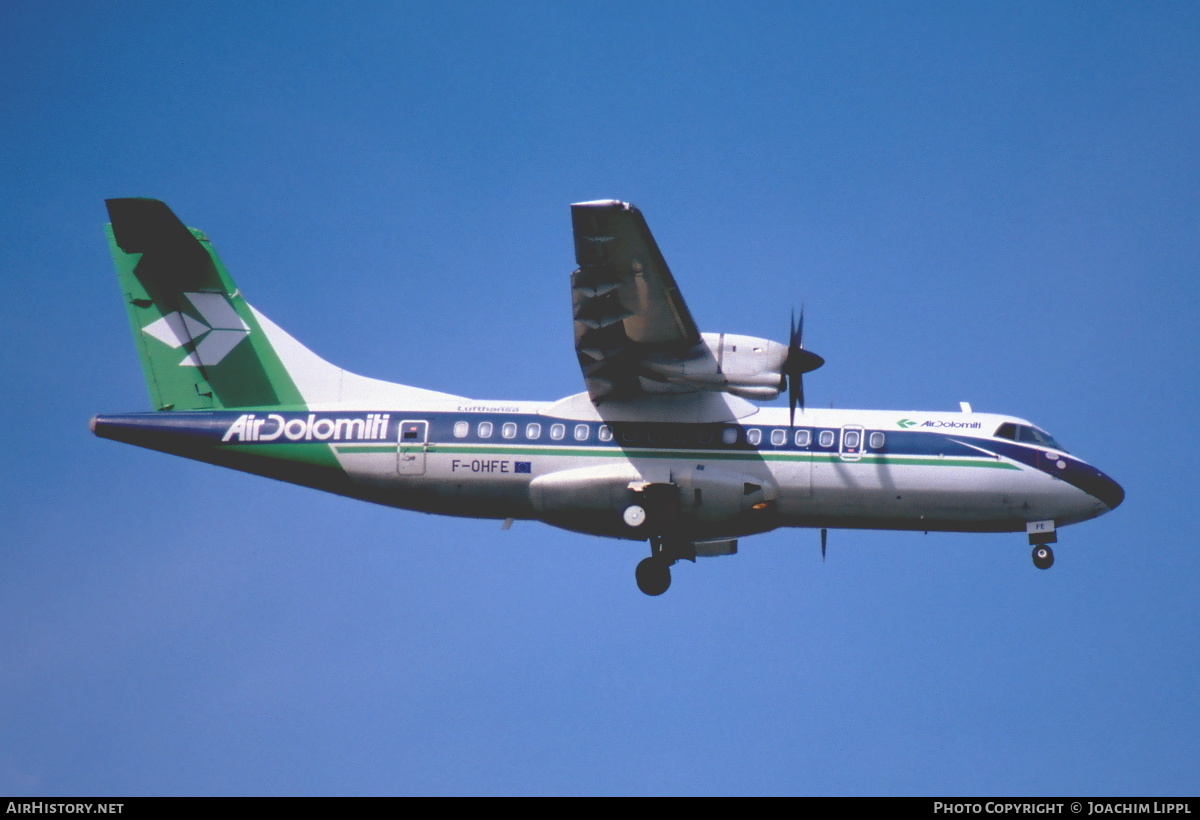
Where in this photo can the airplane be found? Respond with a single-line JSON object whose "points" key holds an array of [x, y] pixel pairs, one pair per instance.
{"points": [[664, 446]]}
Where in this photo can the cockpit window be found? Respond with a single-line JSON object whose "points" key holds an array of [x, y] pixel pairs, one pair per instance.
{"points": [[1035, 436], [1027, 435]]}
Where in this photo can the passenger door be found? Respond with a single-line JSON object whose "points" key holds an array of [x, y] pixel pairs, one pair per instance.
{"points": [[413, 441]]}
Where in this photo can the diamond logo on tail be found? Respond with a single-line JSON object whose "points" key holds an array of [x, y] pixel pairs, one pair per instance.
{"points": [[221, 331]]}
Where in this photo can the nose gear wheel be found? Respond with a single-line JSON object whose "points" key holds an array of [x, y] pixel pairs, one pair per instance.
{"points": [[1043, 556]]}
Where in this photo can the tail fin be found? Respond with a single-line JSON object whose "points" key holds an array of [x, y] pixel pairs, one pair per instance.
{"points": [[201, 345]]}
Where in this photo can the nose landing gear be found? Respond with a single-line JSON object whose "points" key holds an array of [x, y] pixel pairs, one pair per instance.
{"points": [[1041, 536], [1043, 556]]}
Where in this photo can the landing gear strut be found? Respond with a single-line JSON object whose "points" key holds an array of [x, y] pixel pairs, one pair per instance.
{"points": [[1043, 556], [655, 510]]}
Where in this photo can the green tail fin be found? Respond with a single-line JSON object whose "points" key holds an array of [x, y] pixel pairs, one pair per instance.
{"points": [[201, 346]]}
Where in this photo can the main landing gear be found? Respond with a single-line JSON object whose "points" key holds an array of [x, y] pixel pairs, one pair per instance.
{"points": [[655, 516], [656, 510], [653, 574]]}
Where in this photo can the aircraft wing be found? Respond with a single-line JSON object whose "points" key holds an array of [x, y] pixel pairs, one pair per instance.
{"points": [[627, 307]]}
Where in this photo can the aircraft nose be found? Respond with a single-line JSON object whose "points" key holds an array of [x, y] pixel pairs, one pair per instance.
{"points": [[1092, 481], [1107, 490]]}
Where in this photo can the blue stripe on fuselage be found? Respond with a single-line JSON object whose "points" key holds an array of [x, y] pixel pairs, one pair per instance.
{"points": [[266, 426]]}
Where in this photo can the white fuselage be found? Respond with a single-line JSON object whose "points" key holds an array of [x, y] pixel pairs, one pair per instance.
{"points": [[833, 468]]}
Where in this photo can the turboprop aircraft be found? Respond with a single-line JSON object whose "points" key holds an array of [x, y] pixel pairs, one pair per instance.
{"points": [[665, 445]]}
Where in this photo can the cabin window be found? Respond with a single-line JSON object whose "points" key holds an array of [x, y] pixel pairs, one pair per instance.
{"points": [[826, 438], [461, 428], [706, 435], [877, 441], [604, 433], [729, 435], [557, 431], [653, 435], [851, 439], [803, 438], [779, 437], [509, 430], [629, 433], [484, 429], [679, 434], [581, 432], [754, 436], [533, 431]]}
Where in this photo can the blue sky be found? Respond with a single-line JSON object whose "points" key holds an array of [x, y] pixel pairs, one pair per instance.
{"points": [[976, 201]]}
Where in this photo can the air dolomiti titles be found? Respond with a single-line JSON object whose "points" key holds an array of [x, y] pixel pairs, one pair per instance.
{"points": [[274, 426]]}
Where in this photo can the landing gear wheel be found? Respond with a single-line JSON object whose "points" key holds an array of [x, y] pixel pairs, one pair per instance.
{"points": [[634, 515], [1043, 556], [653, 576]]}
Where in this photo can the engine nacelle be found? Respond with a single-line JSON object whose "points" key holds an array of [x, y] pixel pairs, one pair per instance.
{"points": [[587, 499], [745, 366]]}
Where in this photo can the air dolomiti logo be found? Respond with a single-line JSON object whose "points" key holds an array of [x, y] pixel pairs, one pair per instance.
{"points": [[221, 331], [249, 427], [957, 425]]}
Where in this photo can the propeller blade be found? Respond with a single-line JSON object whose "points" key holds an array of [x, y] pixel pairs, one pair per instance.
{"points": [[824, 535], [798, 362], [795, 395]]}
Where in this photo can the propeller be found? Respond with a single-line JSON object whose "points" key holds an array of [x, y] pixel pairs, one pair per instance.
{"points": [[798, 362]]}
